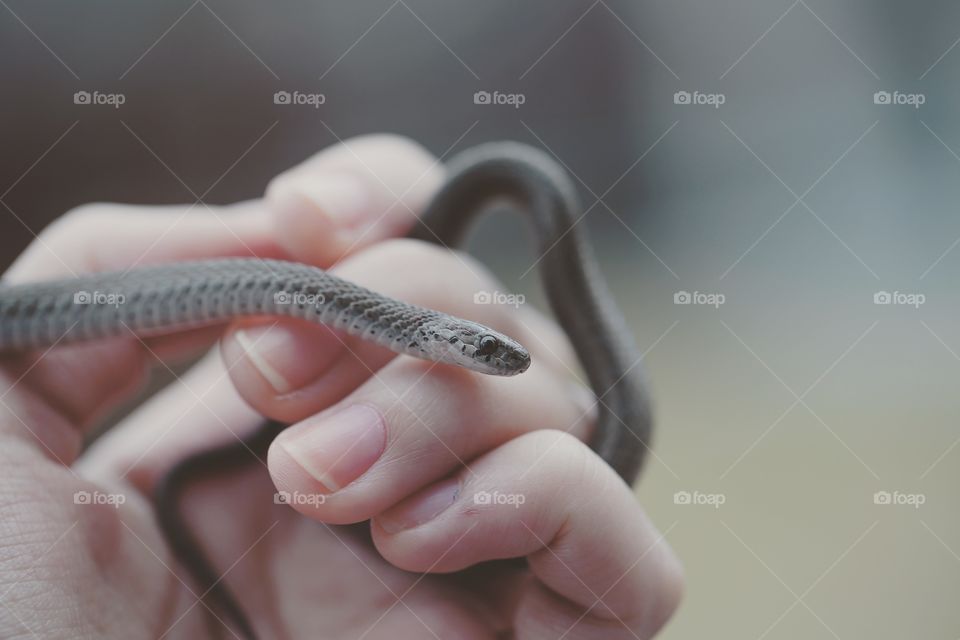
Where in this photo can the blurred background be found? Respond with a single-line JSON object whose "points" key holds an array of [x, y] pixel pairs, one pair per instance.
{"points": [[780, 166]]}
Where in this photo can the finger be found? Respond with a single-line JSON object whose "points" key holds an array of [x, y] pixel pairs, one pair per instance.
{"points": [[352, 195], [307, 207], [603, 569], [409, 426], [198, 410], [82, 381], [106, 237], [296, 369]]}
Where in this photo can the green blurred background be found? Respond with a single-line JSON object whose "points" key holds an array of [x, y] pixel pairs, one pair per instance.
{"points": [[798, 199]]}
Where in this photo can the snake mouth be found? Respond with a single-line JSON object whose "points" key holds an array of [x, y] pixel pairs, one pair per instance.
{"points": [[520, 361], [512, 358]]}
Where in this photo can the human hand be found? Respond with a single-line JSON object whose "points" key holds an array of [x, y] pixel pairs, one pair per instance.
{"points": [[417, 448]]}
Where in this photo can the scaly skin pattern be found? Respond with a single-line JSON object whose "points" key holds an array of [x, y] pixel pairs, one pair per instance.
{"points": [[162, 299]]}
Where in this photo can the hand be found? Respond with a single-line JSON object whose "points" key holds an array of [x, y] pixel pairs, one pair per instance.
{"points": [[452, 468]]}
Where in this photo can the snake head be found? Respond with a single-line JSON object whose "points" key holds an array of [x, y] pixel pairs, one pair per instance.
{"points": [[482, 349]]}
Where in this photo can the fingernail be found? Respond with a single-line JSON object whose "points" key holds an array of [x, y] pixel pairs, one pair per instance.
{"points": [[421, 508], [337, 448], [303, 359], [343, 197]]}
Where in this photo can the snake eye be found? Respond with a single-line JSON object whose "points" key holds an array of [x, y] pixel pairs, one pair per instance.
{"points": [[488, 345]]}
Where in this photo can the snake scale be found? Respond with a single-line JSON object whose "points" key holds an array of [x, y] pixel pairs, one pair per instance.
{"points": [[172, 297]]}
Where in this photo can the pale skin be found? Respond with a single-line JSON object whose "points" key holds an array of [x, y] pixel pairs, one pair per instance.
{"points": [[403, 444]]}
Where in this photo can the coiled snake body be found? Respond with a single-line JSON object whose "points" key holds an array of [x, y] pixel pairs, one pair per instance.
{"points": [[166, 298]]}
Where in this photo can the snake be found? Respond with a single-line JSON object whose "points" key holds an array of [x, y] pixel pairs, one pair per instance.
{"points": [[166, 298]]}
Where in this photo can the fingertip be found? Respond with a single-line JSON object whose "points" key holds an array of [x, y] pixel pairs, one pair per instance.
{"points": [[317, 463], [317, 221], [672, 587]]}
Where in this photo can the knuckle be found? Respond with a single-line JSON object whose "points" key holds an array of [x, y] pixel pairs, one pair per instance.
{"points": [[80, 218], [277, 186], [67, 237], [290, 183], [392, 144], [416, 254], [560, 449], [370, 157], [565, 459]]}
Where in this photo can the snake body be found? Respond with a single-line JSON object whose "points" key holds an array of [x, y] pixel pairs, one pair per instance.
{"points": [[162, 299]]}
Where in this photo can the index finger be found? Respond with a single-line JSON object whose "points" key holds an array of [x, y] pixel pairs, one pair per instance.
{"points": [[603, 569]]}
